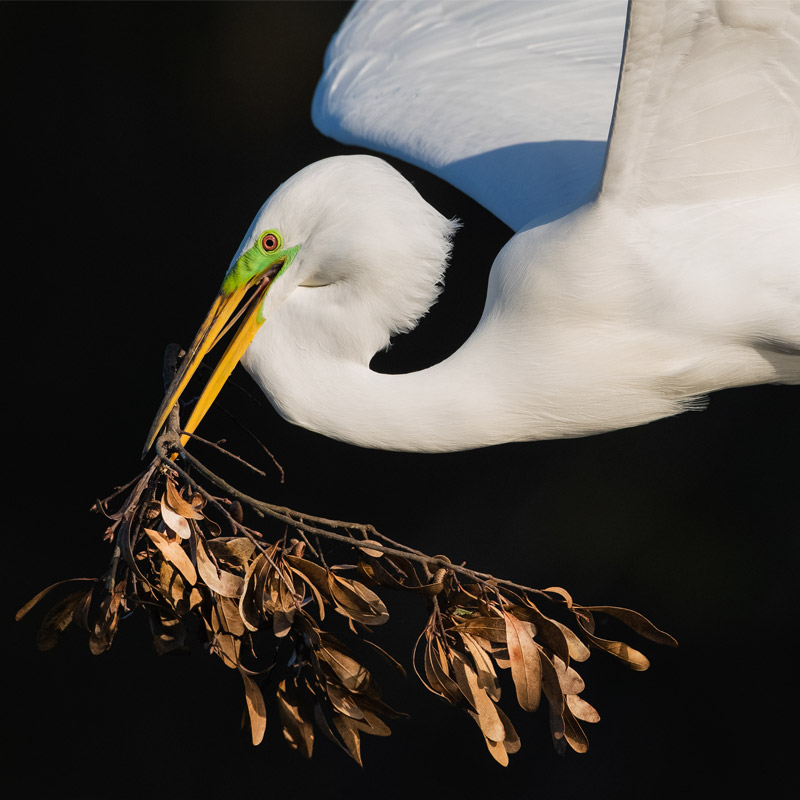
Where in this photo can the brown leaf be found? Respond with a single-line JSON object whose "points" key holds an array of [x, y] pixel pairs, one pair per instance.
{"points": [[175, 522], [172, 585], [368, 551], [573, 732], [354, 600], [350, 736], [169, 634], [484, 669], [172, 551], [312, 573], [225, 583], [488, 719], [230, 618], [314, 591], [34, 600], [638, 623], [352, 674], [581, 709], [249, 606], [343, 702], [224, 644], [511, 742], [256, 709], [180, 506], [552, 686], [578, 651], [569, 680], [57, 620], [561, 593], [437, 672], [492, 629], [236, 551], [282, 623], [298, 729], [372, 724], [549, 633], [496, 749], [526, 668], [625, 653]]}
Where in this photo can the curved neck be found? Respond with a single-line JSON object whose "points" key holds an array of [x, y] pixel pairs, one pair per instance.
{"points": [[439, 409]]}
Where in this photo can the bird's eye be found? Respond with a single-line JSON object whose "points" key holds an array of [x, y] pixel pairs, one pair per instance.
{"points": [[270, 241]]}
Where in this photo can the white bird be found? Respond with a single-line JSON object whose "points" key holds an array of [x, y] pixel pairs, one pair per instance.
{"points": [[643, 274]]}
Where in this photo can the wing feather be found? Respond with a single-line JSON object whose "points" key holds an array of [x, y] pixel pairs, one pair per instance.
{"points": [[708, 106], [509, 101]]}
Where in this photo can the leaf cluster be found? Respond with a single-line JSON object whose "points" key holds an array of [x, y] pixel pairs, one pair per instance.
{"points": [[266, 602]]}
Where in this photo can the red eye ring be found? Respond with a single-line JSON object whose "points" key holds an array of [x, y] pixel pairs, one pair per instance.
{"points": [[270, 242]]}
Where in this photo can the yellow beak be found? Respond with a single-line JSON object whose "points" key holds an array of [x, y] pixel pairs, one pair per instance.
{"points": [[212, 329]]}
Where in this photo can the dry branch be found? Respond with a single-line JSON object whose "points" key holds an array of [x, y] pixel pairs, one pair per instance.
{"points": [[183, 546]]}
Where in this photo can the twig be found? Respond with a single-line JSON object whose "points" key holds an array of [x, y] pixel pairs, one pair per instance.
{"points": [[166, 446]]}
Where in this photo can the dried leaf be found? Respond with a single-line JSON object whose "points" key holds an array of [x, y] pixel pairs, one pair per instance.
{"points": [[352, 674], [484, 669], [511, 742], [350, 736], [581, 709], [526, 668], [437, 672], [223, 643], [578, 651], [249, 607], [549, 633], [169, 634], [569, 680], [354, 600], [372, 724], [230, 619], [561, 593], [314, 591], [368, 551], [633, 658], [175, 554], [236, 551], [343, 701], [34, 600], [175, 522], [180, 506], [552, 686], [57, 620], [488, 719], [298, 729], [312, 573], [497, 750], [256, 709], [573, 732], [492, 629], [225, 583], [638, 623]]}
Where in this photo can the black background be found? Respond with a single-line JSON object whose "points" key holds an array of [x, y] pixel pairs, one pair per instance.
{"points": [[144, 139]]}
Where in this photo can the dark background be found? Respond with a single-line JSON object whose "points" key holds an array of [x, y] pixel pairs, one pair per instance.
{"points": [[144, 139]]}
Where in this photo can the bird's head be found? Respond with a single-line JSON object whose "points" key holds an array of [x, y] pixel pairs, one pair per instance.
{"points": [[350, 224]]}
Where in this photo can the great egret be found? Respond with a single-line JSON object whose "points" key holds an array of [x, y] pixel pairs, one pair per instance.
{"points": [[679, 275]]}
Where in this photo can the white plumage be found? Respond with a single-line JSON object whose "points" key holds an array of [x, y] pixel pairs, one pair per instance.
{"points": [[611, 306]]}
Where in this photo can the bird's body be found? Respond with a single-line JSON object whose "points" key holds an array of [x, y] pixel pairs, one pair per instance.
{"points": [[678, 276]]}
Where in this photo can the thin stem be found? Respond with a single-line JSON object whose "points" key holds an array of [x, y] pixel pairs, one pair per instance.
{"points": [[166, 446]]}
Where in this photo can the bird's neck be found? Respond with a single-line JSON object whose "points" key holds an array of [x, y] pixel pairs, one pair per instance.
{"points": [[492, 390], [439, 409]]}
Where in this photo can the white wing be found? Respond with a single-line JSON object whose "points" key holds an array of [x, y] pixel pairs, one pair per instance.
{"points": [[708, 109], [509, 101]]}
